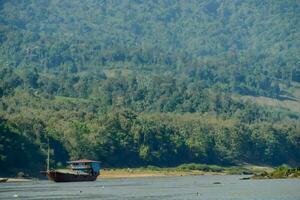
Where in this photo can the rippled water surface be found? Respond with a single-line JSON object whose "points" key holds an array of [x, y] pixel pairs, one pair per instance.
{"points": [[189, 187]]}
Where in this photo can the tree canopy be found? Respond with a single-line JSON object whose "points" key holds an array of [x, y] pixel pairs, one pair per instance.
{"points": [[164, 82]]}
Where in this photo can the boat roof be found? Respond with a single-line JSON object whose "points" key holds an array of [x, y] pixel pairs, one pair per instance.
{"points": [[83, 161]]}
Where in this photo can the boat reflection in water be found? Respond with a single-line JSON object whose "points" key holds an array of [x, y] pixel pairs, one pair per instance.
{"points": [[80, 170]]}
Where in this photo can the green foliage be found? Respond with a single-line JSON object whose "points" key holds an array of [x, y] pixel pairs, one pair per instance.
{"points": [[201, 167], [122, 137], [138, 83], [17, 152], [244, 47], [280, 172]]}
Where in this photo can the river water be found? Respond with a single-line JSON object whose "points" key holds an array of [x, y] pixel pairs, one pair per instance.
{"points": [[185, 187]]}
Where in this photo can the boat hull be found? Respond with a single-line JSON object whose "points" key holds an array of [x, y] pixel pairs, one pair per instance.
{"points": [[69, 177], [3, 180]]}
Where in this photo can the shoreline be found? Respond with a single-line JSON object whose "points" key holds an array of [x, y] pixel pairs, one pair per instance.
{"points": [[17, 180], [133, 173], [117, 175], [124, 173], [187, 170]]}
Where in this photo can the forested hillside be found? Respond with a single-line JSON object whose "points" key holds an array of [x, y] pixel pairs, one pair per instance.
{"points": [[162, 82]]}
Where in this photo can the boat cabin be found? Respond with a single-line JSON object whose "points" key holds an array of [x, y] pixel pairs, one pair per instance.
{"points": [[85, 166]]}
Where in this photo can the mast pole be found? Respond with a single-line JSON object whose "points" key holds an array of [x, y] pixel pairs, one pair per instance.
{"points": [[48, 157]]}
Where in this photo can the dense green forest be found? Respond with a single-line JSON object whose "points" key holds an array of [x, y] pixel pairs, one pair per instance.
{"points": [[136, 83]]}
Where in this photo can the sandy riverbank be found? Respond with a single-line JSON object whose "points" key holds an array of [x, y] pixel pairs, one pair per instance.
{"points": [[135, 173], [16, 179], [188, 171]]}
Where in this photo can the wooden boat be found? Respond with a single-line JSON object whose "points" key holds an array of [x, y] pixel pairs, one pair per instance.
{"points": [[80, 170], [3, 180]]}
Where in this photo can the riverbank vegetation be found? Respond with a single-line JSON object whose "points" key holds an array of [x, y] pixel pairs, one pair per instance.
{"points": [[279, 173], [124, 138], [190, 169], [138, 83]]}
